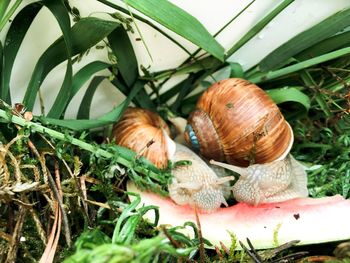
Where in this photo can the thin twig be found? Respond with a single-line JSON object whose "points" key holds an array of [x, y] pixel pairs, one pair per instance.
{"points": [[77, 182], [38, 225], [251, 254], [172, 241], [13, 246], [200, 236], [60, 201]]}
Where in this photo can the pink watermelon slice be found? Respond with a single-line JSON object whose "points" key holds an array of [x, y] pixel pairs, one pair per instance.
{"points": [[309, 220]]}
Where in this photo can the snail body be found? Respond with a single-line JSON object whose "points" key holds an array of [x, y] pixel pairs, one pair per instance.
{"points": [[271, 182], [237, 122], [196, 184], [144, 132]]}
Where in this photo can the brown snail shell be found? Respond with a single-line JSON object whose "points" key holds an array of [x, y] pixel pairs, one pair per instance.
{"points": [[144, 132], [236, 122]]}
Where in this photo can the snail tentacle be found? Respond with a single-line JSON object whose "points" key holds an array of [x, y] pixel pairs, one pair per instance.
{"points": [[240, 170]]}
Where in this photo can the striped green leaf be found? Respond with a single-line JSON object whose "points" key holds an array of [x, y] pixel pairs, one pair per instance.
{"points": [[315, 34], [180, 22]]}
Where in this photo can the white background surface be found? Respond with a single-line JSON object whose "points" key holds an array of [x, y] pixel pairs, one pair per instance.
{"points": [[296, 18]]}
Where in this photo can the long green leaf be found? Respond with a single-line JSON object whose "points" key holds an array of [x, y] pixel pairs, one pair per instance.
{"points": [[1, 60], [85, 105], [198, 65], [7, 15], [58, 9], [261, 77], [185, 89], [106, 119], [14, 38], [259, 26], [3, 7], [325, 46], [180, 22], [305, 39], [86, 33], [289, 94], [126, 59], [85, 73]]}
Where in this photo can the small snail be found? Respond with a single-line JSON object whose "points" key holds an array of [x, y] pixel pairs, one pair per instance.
{"points": [[144, 132], [277, 181], [237, 122], [196, 184]]}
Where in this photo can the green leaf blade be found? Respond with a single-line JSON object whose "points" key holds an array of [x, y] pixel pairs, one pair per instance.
{"points": [[13, 41], [85, 73], [305, 39], [109, 118], [126, 58], [85, 105], [259, 26], [292, 95], [180, 22], [86, 33]]}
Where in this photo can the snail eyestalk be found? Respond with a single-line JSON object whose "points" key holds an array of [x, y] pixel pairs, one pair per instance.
{"points": [[236, 169]]}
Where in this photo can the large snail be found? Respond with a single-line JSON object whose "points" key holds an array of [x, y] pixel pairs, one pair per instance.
{"points": [[238, 123]]}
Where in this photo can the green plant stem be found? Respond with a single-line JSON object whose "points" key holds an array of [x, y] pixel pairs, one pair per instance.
{"points": [[83, 145], [302, 65], [125, 11], [258, 27], [9, 13]]}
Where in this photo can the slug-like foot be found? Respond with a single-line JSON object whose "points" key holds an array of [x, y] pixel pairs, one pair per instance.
{"points": [[277, 181], [196, 184]]}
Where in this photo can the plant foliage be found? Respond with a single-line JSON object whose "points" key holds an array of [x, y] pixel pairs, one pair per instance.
{"points": [[55, 178]]}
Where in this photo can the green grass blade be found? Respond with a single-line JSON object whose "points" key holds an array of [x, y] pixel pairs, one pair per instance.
{"points": [[289, 94], [58, 9], [85, 73], [1, 63], [258, 27], [86, 33], [13, 41], [185, 89], [206, 63], [62, 98], [325, 46], [7, 15], [144, 100], [3, 7], [180, 22], [85, 105], [106, 119], [320, 98], [258, 78], [170, 93], [305, 39], [126, 59]]}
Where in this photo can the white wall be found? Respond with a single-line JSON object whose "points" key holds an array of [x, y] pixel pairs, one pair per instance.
{"points": [[299, 16]]}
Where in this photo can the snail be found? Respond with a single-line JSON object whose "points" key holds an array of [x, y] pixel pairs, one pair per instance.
{"points": [[144, 131], [238, 123], [277, 181], [197, 184]]}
